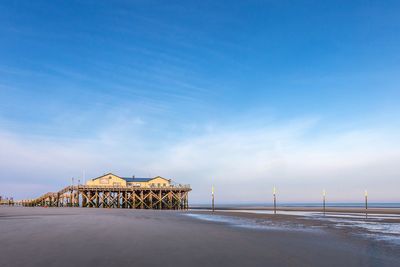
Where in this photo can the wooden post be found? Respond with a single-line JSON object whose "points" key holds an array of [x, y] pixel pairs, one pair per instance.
{"points": [[212, 196], [125, 199], [274, 193], [119, 198], [128, 199], [86, 195], [105, 201], [323, 199], [160, 198], [180, 200], [141, 199], [366, 203], [151, 199], [133, 198], [187, 201], [170, 199], [92, 199], [97, 204]]}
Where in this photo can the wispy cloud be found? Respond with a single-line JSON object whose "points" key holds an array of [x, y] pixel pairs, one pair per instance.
{"points": [[244, 164]]}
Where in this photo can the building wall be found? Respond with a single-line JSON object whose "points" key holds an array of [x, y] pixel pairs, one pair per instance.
{"points": [[107, 180], [113, 180]]}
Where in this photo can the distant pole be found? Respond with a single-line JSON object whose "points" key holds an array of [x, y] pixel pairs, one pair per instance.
{"points": [[366, 203], [72, 199], [212, 195], [274, 193], [324, 199]]}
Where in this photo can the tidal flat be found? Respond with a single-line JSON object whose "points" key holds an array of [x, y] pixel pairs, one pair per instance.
{"points": [[123, 237]]}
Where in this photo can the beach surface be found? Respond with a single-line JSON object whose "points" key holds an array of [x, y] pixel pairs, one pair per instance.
{"points": [[360, 210], [123, 237]]}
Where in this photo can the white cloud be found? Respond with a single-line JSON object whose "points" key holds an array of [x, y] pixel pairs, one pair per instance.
{"points": [[243, 162]]}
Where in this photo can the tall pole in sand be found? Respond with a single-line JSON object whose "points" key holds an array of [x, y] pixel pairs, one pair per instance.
{"points": [[274, 193], [71, 196], [366, 203], [323, 199], [212, 195]]}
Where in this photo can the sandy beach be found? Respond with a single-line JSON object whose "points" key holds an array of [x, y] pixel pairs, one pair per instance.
{"points": [[121, 237]]}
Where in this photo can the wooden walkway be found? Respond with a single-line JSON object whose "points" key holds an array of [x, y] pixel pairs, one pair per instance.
{"points": [[6, 202]]}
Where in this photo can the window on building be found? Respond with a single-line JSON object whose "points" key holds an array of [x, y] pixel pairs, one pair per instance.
{"points": [[104, 181]]}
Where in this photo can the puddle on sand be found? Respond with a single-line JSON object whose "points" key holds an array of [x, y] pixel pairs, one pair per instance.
{"points": [[383, 231], [319, 214], [253, 223]]}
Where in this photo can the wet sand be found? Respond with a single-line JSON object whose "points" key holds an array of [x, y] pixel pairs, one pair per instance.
{"points": [[120, 237]]}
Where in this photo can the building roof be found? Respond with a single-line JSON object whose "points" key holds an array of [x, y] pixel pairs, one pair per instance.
{"points": [[132, 180], [141, 180]]}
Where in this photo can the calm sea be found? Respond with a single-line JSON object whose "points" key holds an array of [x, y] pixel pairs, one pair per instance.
{"points": [[305, 204]]}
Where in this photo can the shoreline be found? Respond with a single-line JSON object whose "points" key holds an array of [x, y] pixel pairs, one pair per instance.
{"points": [[344, 210]]}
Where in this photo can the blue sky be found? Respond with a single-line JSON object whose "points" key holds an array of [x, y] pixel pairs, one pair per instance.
{"points": [[303, 95]]}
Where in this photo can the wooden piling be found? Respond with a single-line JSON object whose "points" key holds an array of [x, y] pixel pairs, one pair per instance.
{"points": [[212, 196], [366, 203], [274, 193], [323, 199]]}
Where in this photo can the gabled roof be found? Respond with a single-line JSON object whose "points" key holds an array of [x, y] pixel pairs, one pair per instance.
{"points": [[106, 174]]}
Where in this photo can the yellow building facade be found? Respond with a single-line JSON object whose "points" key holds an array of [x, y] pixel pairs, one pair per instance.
{"points": [[113, 180]]}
